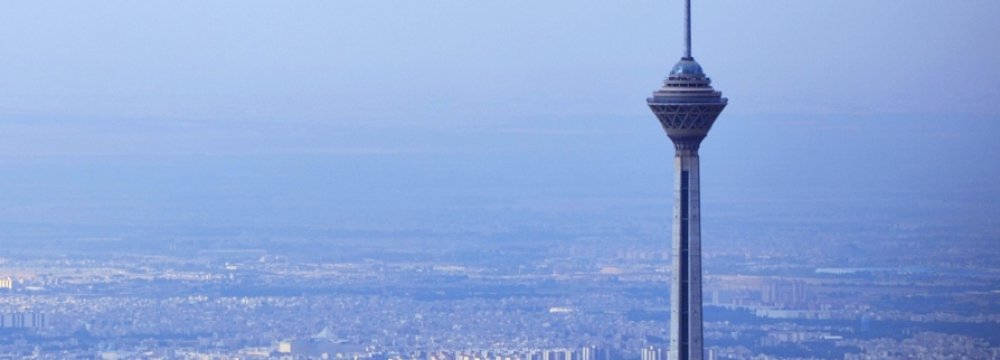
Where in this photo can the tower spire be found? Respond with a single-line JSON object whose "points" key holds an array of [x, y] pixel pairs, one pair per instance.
{"points": [[687, 29]]}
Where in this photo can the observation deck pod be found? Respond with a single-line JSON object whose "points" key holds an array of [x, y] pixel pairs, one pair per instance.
{"points": [[687, 105]]}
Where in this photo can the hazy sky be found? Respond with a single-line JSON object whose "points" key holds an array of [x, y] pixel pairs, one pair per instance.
{"points": [[447, 62], [502, 94]]}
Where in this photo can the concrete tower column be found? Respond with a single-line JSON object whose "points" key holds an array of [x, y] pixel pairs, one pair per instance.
{"points": [[685, 304]]}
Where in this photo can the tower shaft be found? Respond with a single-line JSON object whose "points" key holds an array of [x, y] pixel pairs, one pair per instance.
{"points": [[685, 305]]}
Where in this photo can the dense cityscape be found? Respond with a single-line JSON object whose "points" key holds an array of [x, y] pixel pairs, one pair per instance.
{"points": [[599, 292]]}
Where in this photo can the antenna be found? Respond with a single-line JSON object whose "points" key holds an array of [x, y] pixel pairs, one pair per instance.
{"points": [[687, 29]]}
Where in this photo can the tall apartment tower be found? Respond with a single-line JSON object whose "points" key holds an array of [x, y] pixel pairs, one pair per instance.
{"points": [[686, 106]]}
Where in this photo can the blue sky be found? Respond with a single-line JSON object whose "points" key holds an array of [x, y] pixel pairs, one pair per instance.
{"points": [[204, 102], [449, 62]]}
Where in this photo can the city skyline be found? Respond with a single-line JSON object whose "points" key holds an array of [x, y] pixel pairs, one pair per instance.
{"points": [[390, 180]]}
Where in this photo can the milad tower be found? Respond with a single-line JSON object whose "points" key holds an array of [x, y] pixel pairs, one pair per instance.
{"points": [[686, 106]]}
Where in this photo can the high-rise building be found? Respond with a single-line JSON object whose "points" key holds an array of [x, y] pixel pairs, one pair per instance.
{"points": [[653, 353], [686, 106], [23, 320]]}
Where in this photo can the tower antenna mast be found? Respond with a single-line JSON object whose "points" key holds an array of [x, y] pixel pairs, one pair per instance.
{"points": [[687, 29]]}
